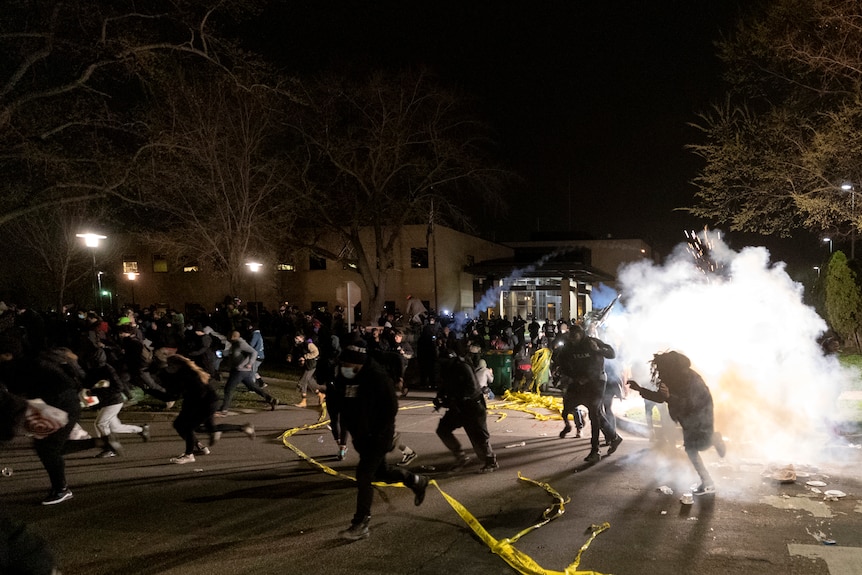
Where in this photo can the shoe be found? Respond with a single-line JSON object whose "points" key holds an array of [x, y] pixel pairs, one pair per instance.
{"points": [[703, 489], [615, 443], [342, 452], [356, 531], [106, 453], [303, 403], [214, 437], [248, 429], [565, 432], [718, 443], [184, 458], [55, 497], [593, 457], [220, 414], [490, 467], [406, 458], [201, 450], [273, 403], [578, 432], [145, 432], [461, 459], [420, 485]]}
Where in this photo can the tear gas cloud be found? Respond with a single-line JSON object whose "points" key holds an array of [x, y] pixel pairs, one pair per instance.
{"points": [[747, 333]]}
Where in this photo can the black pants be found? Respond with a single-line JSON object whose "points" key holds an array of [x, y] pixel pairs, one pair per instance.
{"points": [[590, 395], [373, 467], [50, 449], [472, 415]]}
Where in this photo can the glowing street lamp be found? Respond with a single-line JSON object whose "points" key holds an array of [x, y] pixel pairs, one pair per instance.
{"points": [[830, 243], [817, 269], [92, 240], [254, 267], [132, 277]]}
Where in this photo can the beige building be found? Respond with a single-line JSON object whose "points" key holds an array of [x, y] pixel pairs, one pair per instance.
{"points": [[449, 271]]}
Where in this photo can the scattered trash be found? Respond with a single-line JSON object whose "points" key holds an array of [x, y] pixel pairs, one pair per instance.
{"points": [[511, 445], [427, 468], [815, 483], [784, 475], [686, 499], [199, 470], [320, 439], [508, 431], [666, 490], [834, 494], [664, 512], [815, 490], [543, 435], [829, 542], [6, 472]]}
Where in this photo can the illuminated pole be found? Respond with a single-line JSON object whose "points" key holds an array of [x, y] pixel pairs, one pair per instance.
{"points": [[852, 190], [254, 267], [132, 277], [830, 243], [92, 240]]}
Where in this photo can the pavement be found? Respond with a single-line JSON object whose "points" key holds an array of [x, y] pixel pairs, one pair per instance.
{"points": [[257, 507]]}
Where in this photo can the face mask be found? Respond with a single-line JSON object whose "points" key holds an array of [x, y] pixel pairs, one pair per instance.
{"points": [[348, 372]]}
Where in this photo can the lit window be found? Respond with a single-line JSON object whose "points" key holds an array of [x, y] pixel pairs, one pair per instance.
{"points": [[191, 269], [130, 265], [285, 267], [160, 263]]}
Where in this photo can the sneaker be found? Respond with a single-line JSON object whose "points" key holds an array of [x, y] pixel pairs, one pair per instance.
{"points": [[248, 429], [406, 458], [718, 443], [145, 432], [342, 452], [703, 489], [356, 531], [420, 485], [106, 453], [593, 457], [566, 431], [273, 403], [201, 450], [615, 443], [55, 497], [184, 458], [490, 467]]}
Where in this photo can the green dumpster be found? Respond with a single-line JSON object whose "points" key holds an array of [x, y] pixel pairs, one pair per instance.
{"points": [[500, 362]]}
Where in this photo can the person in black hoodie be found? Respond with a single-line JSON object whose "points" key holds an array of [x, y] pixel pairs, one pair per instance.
{"points": [[53, 376], [690, 404], [369, 405]]}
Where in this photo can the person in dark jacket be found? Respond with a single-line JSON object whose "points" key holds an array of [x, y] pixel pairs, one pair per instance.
{"points": [[201, 350], [581, 362], [689, 403], [55, 378], [369, 405], [460, 393]]}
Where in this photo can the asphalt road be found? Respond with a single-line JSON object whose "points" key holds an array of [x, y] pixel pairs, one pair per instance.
{"points": [[255, 507]]}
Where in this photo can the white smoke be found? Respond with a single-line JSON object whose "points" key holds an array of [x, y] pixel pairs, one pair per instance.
{"points": [[748, 333]]}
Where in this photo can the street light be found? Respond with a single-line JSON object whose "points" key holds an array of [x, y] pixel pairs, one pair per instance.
{"points": [[92, 240], [852, 190], [830, 243], [132, 277], [254, 267], [817, 269]]}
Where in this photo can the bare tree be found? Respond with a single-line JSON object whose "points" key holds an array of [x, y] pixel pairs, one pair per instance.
{"points": [[379, 153], [788, 136]]}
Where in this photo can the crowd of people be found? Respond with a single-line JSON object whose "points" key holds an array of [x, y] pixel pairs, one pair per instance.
{"points": [[77, 359]]}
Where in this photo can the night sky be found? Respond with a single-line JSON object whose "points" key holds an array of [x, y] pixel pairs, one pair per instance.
{"points": [[589, 100]]}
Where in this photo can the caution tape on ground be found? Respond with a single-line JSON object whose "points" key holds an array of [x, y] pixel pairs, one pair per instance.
{"points": [[504, 548]]}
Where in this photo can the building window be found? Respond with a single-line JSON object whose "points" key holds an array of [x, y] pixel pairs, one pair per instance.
{"points": [[285, 267], [419, 258], [130, 265], [316, 263], [191, 268], [160, 263]]}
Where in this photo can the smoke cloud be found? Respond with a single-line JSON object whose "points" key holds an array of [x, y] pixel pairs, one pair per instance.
{"points": [[747, 332]]}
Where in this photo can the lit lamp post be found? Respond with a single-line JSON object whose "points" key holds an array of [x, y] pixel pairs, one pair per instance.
{"points": [[817, 269], [830, 243], [132, 277], [254, 267], [852, 190], [92, 240]]}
